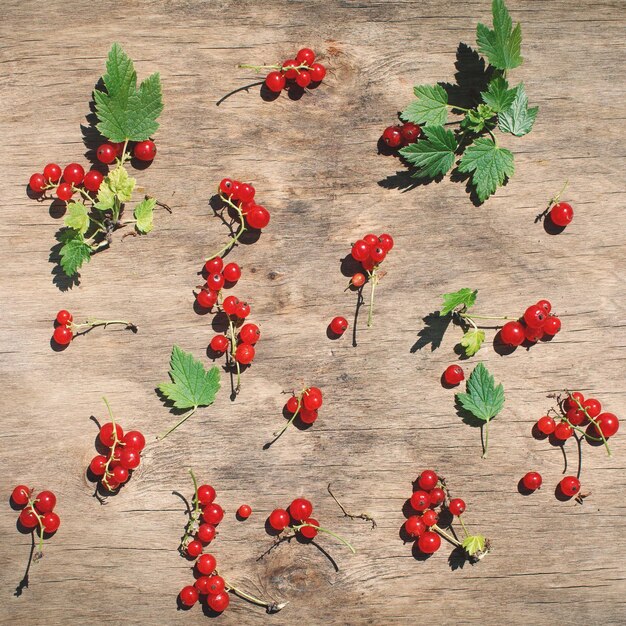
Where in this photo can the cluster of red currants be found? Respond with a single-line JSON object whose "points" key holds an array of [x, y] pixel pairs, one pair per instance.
{"points": [[399, 136], [240, 197], [302, 71], [303, 406], [123, 455], [536, 323], [142, 150], [66, 329], [36, 512], [218, 276], [65, 183]]}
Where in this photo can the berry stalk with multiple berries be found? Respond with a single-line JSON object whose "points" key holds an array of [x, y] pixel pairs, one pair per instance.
{"points": [[66, 328], [303, 406]]}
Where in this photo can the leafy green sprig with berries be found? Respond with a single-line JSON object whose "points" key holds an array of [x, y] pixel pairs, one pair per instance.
{"points": [[473, 146], [125, 112]]}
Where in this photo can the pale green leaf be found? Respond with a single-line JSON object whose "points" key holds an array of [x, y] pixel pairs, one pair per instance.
{"points": [[463, 297], [143, 214], [502, 46], [489, 165], [431, 106], [106, 198], [518, 119], [472, 340], [77, 217], [473, 544], [120, 183]]}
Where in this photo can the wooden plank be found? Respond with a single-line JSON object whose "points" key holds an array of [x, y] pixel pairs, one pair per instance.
{"points": [[385, 416]]}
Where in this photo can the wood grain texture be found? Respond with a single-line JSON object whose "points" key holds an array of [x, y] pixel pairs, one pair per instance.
{"points": [[385, 416]]}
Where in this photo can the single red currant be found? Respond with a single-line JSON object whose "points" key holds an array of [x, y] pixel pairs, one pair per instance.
{"points": [[134, 439], [249, 334], [64, 192], [246, 192], [428, 480], [129, 458], [307, 416], [546, 425], [410, 132], [420, 500], [52, 172], [244, 354], [570, 486], [106, 153], [188, 595], [62, 335], [37, 183], [194, 549], [215, 282], [226, 186], [576, 417], [119, 147], [45, 501], [275, 81], [206, 533], [312, 398], [300, 509], [279, 519], [230, 305], [106, 436], [360, 250], [437, 496], [561, 214], [74, 174], [303, 79], [563, 431], [429, 517], [28, 518], [64, 317], [20, 495], [206, 298], [215, 584], [218, 602], [305, 56], [219, 343], [377, 254], [213, 514], [371, 240], [453, 375], [292, 404], [415, 526], [242, 310], [145, 150], [258, 217], [456, 506], [97, 465], [592, 406], [338, 325], [392, 136], [206, 495], [607, 423], [232, 272], [534, 316], [92, 181], [512, 334], [358, 280], [552, 325], [244, 511], [120, 474], [308, 531], [533, 334], [386, 242], [214, 265], [571, 402], [51, 522], [206, 564], [545, 305], [429, 542], [532, 481], [202, 584], [318, 72]]}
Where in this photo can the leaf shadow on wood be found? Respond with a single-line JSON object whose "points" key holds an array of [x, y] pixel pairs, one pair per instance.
{"points": [[433, 331]]}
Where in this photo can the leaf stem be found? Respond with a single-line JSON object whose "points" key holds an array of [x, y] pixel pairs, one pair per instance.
{"points": [[242, 228], [272, 607], [328, 532], [458, 108], [183, 419], [486, 442]]}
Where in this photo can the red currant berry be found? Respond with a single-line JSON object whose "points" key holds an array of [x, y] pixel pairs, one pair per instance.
{"points": [[339, 325], [429, 517], [64, 317], [561, 214], [74, 174], [303, 79], [305, 56], [570, 486], [532, 481], [572, 401], [206, 495], [437, 496], [312, 398], [392, 136], [420, 500], [232, 272], [45, 501], [534, 316], [219, 343], [415, 526], [92, 181], [120, 474], [288, 68], [592, 406], [206, 533], [308, 416], [20, 495], [236, 189], [218, 602], [244, 511], [194, 549], [64, 192], [368, 264], [300, 509], [226, 186], [213, 514], [206, 564], [386, 242], [106, 153], [214, 265], [62, 335], [308, 531], [576, 417], [246, 192], [28, 518], [563, 431], [242, 310], [377, 254], [607, 423], [110, 484], [371, 240], [145, 150], [279, 519], [206, 298], [258, 217], [202, 585], [249, 334], [410, 132], [546, 425], [552, 325], [134, 439], [230, 305], [533, 334], [215, 282], [453, 375], [106, 434], [275, 81], [360, 250], [456, 506], [130, 458], [97, 465], [119, 147], [51, 522], [512, 334], [428, 480], [358, 279], [429, 542], [292, 404], [37, 182], [215, 584], [52, 172], [545, 305], [188, 595], [318, 72]]}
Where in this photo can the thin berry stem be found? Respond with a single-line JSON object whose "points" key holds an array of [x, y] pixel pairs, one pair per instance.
{"points": [[105, 323], [291, 420], [463, 526], [446, 536], [260, 68], [454, 106], [233, 344], [194, 515], [370, 316], [328, 532], [182, 420], [272, 607], [487, 317], [242, 228], [556, 198], [593, 421], [116, 442]]}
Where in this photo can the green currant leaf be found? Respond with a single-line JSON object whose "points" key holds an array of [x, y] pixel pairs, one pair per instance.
{"points": [[489, 165], [434, 155], [74, 252], [502, 46], [484, 400], [106, 198], [120, 183], [518, 119], [498, 95], [143, 214], [476, 120], [463, 297], [472, 340], [474, 544], [124, 111], [77, 217], [431, 106]]}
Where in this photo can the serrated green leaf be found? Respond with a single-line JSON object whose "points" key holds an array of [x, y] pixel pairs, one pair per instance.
{"points": [[125, 112], [106, 198], [192, 386], [120, 183], [144, 212], [484, 400], [473, 544], [434, 155], [472, 340], [74, 252], [476, 120], [489, 165], [498, 95], [77, 217], [430, 106], [503, 45], [518, 119], [451, 301]]}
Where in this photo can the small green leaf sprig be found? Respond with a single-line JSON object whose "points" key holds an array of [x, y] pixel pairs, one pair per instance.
{"points": [[473, 146]]}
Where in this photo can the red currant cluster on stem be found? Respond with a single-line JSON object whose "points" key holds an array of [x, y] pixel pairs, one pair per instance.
{"points": [[370, 252], [303, 406], [302, 71], [201, 530], [581, 419], [115, 468], [298, 518], [37, 513], [401, 135], [66, 329], [431, 501]]}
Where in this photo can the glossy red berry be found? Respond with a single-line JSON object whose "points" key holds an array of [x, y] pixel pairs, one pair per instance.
{"points": [[360, 250], [545, 305], [533, 334], [120, 474], [226, 187], [592, 406], [145, 150], [371, 240], [106, 153], [275, 81], [392, 136], [305, 56], [534, 316], [561, 214], [429, 542], [188, 595], [214, 265], [134, 439], [292, 404], [213, 514], [258, 217], [244, 354], [512, 334], [576, 417], [206, 298], [202, 585], [386, 242], [303, 79], [73, 174], [51, 522], [338, 325], [92, 181], [63, 317], [420, 500], [428, 480], [97, 465], [246, 192], [307, 416], [607, 423], [563, 431], [45, 501], [532, 481], [377, 254], [300, 509], [410, 132], [52, 172], [415, 526], [312, 398], [279, 519], [571, 402], [20, 495], [456, 506], [206, 564], [453, 375], [119, 147], [218, 602], [437, 496], [318, 72], [37, 183], [215, 282], [429, 517], [206, 495], [230, 305], [215, 584], [570, 486], [219, 343], [231, 272], [28, 518], [64, 192], [249, 334], [358, 279], [546, 425], [242, 310], [552, 325], [244, 511], [130, 458], [194, 549], [62, 335], [308, 531], [106, 434], [206, 533]]}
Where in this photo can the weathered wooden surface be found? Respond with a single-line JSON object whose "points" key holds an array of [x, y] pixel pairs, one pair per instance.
{"points": [[385, 417]]}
